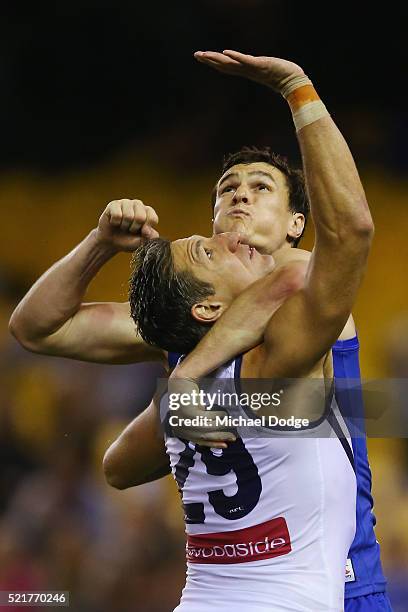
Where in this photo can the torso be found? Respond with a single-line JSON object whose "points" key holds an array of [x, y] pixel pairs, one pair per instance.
{"points": [[269, 520]]}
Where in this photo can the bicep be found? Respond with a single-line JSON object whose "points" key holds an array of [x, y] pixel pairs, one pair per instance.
{"points": [[333, 278], [101, 332], [297, 337], [308, 323]]}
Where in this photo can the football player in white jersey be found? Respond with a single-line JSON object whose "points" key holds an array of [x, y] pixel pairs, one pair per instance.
{"points": [[250, 541]]}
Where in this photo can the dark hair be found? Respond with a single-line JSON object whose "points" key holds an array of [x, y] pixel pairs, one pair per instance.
{"points": [[161, 299], [298, 201]]}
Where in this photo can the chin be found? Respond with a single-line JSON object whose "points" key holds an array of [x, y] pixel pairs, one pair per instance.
{"points": [[233, 224], [263, 245]]}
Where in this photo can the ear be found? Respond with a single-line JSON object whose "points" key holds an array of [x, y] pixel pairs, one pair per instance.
{"points": [[296, 225], [207, 311]]}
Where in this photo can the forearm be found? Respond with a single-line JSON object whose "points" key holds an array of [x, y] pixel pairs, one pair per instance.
{"points": [[242, 326], [120, 474], [337, 198], [138, 455], [341, 216], [59, 292]]}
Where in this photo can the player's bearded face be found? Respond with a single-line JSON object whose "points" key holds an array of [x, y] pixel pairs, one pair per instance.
{"points": [[224, 261], [252, 199]]}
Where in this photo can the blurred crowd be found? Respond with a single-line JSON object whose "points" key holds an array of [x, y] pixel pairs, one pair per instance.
{"points": [[61, 526]]}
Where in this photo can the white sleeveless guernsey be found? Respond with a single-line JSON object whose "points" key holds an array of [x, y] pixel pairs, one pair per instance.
{"points": [[269, 520]]}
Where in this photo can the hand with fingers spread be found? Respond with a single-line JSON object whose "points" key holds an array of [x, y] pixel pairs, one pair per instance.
{"points": [[124, 223], [270, 71], [207, 431]]}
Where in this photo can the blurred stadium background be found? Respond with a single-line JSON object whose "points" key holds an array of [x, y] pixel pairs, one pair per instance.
{"points": [[101, 101]]}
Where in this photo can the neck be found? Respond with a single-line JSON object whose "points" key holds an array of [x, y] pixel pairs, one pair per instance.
{"points": [[282, 251]]}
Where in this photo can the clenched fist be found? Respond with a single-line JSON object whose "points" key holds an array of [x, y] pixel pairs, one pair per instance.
{"points": [[270, 71], [124, 223]]}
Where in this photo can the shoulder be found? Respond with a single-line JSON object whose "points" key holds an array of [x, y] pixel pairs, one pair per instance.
{"points": [[288, 256]]}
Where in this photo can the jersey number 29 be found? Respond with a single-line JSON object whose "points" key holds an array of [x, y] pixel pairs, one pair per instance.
{"points": [[234, 458]]}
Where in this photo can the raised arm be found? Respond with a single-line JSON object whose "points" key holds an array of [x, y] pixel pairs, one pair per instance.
{"points": [[52, 318], [343, 228], [308, 323]]}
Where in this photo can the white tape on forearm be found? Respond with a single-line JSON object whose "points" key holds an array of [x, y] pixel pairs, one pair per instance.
{"points": [[309, 113]]}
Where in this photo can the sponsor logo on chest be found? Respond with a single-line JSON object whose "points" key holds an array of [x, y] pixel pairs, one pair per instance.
{"points": [[264, 541]]}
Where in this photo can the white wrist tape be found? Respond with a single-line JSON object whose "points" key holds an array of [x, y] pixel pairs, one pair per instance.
{"points": [[309, 113], [303, 100]]}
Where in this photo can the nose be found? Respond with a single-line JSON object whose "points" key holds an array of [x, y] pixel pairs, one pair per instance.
{"points": [[240, 196], [230, 240]]}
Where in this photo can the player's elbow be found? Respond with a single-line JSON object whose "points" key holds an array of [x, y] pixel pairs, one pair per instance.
{"points": [[17, 329], [360, 225], [357, 245], [112, 469], [353, 226], [116, 469], [363, 226], [354, 239], [33, 337], [14, 327]]}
